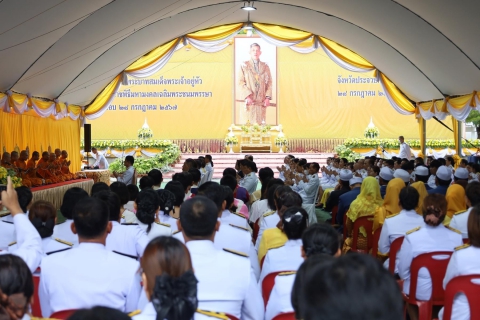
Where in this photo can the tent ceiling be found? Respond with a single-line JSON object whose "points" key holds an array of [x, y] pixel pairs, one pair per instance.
{"points": [[71, 49]]}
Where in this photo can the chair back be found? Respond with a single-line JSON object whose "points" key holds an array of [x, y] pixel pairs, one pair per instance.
{"points": [[376, 238], [36, 309], [285, 316], [334, 215], [436, 263], [367, 223], [392, 255], [267, 285], [465, 241], [62, 315], [470, 287], [134, 178]]}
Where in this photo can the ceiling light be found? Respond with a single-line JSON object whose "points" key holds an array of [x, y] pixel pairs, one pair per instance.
{"points": [[248, 6]]}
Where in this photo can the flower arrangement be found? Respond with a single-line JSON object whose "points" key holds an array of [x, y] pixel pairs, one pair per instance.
{"points": [[245, 128], [281, 141], [394, 144], [371, 132], [266, 128], [145, 133], [345, 152], [256, 128], [231, 140], [4, 173], [125, 144]]}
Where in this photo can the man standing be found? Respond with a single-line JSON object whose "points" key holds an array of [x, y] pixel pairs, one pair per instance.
{"points": [[101, 162], [255, 85], [405, 152]]}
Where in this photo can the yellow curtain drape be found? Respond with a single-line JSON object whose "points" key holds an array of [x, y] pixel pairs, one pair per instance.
{"points": [[104, 96], [346, 54], [40, 133], [396, 94], [153, 56], [460, 102], [282, 33], [215, 33]]}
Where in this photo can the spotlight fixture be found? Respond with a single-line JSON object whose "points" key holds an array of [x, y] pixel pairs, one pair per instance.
{"points": [[248, 7]]}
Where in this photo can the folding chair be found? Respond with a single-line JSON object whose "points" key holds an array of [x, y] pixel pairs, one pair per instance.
{"points": [[267, 285], [392, 255]]}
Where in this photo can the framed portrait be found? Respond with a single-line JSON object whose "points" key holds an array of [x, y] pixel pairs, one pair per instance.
{"points": [[255, 81]]}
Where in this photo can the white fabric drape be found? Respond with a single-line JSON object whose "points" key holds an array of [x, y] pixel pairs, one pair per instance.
{"points": [[369, 153], [276, 42], [105, 107], [342, 63], [428, 114], [390, 99]]}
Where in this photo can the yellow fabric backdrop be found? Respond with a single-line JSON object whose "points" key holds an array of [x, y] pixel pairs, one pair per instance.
{"points": [[309, 105], [37, 133]]}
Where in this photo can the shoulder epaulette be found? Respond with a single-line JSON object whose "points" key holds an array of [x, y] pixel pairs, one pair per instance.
{"points": [[453, 229], [236, 252], [134, 313], [276, 247], [129, 224], [12, 243], [463, 246], [459, 212], [287, 273], [176, 232], [126, 255], [7, 221], [413, 230], [163, 224], [5, 214], [56, 251], [269, 213], [392, 215], [216, 315], [239, 227], [239, 214], [64, 242]]}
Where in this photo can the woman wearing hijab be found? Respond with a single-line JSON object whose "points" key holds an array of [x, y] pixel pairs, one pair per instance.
{"points": [[390, 203], [455, 201], [366, 204], [422, 191]]}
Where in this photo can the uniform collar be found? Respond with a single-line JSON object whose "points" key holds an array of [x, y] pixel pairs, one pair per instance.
{"points": [[200, 246], [91, 246], [293, 243], [409, 212]]}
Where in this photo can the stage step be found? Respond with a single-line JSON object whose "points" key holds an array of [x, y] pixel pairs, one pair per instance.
{"points": [[227, 160]]}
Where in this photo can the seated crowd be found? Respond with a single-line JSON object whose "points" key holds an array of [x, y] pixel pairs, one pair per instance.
{"points": [[200, 249]]}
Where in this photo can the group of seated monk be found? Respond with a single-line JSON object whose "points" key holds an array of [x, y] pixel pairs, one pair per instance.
{"points": [[51, 168]]}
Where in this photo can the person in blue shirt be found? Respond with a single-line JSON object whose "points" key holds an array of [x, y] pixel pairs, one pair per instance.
{"points": [[347, 198], [442, 180]]}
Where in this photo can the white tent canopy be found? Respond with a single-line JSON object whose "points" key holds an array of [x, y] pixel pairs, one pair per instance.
{"points": [[71, 49]]}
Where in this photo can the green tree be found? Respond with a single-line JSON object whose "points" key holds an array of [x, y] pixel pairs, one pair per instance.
{"points": [[474, 117]]}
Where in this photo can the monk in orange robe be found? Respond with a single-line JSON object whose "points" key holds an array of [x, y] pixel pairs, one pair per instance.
{"points": [[56, 169], [14, 159], [6, 161], [59, 166], [32, 167], [24, 171], [45, 167], [65, 165]]}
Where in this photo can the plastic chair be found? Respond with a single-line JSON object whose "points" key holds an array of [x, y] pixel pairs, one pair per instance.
{"points": [[392, 255], [62, 315], [334, 216], [267, 285], [367, 223], [134, 178], [465, 285], [317, 197], [285, 316], [436, 263], [376, 238]]}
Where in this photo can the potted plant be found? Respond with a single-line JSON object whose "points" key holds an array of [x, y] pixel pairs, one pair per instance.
{"points": [[281, 142]]}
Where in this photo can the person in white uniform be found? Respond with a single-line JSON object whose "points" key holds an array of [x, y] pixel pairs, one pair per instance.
{"points": [[147, 207], [460, 219], [250, 179], [464, 261], [260, 207], [121, 189], [7, 229], [127, 176], [307, 187], [171, 199], [70, 199], [100, 161], [226, 281], [96, 275], [289, 256], [29, 243], [126, 238], [405, 152], [397, 224], [318, 240], [431, 237], [230, 214]]}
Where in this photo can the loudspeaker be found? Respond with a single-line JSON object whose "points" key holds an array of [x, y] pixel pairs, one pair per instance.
{"points": [[87, 137]]}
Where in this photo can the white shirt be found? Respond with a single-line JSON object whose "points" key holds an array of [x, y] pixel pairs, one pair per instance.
{"points": [[129, 206], [7, 231], [267, 221], [225, 282], [405, 151], [460, 221], [426, 239], [50, 245], [29, 243], [464, 261], [285, 258], [258, 209], [64, 231], [236, 219], [397, 226], [127, 239], [100, 162], [157, 230], [282, 173], [149, 313], [280, 300], [249, 182], [167, 219], [308, 190], [129, 216], [127, 176], [92, 276]]}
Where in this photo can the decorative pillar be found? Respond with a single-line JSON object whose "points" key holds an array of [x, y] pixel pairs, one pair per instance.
{"points": [[457, 135], [422, 130]]}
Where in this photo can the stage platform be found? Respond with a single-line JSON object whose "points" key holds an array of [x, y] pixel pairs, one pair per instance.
{"points": [[228, 160], [54, 192]]}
